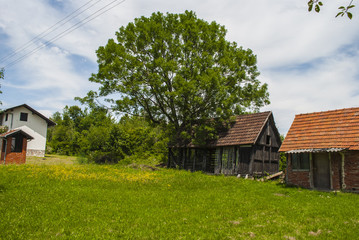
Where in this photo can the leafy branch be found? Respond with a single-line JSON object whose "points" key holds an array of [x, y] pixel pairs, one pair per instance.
{"points": [[344, 10]]}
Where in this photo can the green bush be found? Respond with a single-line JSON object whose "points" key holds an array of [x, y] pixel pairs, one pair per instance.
{"points": [[97, 136], [99, 157]]}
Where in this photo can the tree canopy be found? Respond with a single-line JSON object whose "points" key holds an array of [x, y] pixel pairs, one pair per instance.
{"points": [[178, 70]]}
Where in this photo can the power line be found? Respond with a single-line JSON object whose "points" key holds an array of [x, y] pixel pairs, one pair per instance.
{"points": [[67, 31], [47, 31]]}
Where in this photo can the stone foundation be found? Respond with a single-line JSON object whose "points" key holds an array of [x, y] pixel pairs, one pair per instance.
{"points": [[36, 153]]}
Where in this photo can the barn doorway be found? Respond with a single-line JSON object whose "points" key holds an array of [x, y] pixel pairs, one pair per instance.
{"points": [[321, 171], [244, 159]]}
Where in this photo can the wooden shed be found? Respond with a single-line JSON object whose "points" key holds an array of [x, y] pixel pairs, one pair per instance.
{"points": [[13, 149], [323, 150], [250, 147]]}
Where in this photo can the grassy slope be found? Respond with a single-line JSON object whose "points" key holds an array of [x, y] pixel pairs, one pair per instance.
{"points": [[107, 202]]}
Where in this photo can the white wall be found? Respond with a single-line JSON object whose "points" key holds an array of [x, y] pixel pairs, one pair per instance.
{"points": [[34, 126]]}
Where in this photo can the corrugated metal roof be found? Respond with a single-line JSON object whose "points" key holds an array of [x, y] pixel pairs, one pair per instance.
{"points": [[336, 129], [316, 150]]}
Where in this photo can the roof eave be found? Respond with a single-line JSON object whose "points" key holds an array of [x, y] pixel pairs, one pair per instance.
{"points": [[49, 121], [315, 150]]}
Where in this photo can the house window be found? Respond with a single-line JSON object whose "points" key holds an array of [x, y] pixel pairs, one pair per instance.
{"points": [[300, 161], [23, 117], [16, 144], [268, 140], [6, 117]]}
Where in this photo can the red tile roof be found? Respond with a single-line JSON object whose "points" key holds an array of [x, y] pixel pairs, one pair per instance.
{"points": [[330, 129], [15, 131], [245, 130]]}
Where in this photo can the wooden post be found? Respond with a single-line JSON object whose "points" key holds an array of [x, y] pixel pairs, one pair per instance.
{"points": [[251, 161], [204, 165], [218, 164], [270, 159], [194, 160], [263, 157], [239, 160], [344, 186], [234, 160], [179, 157], [311, 183], [183, 163], [169, 158]]}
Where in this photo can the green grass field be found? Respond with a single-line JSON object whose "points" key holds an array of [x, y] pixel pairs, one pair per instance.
{"points": [[43, 200]]}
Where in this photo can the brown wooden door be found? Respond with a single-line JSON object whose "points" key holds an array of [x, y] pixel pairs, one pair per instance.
{"points": [[321, 171], [244, 159]]}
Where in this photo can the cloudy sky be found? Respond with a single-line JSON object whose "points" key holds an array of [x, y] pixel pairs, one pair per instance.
{"points": [[310, 61]]}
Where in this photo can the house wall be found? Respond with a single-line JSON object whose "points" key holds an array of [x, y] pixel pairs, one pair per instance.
{"points": [[266, 156], [303, 178], [336, 170], [228, 160], [35, 126], [351, 171], [14, 157], [300, 178]]}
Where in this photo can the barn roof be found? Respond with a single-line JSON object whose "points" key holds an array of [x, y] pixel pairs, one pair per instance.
{"points": [[336, 129], [245, 130], [15, 132]]}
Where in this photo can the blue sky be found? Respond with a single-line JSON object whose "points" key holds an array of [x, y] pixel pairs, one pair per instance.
{"points": [[310, 61]]}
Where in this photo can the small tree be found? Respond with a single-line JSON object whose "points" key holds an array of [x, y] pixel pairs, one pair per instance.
{"points": [[180, 71]]}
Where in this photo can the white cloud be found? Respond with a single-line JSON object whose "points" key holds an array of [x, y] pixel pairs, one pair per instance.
{"points": [[300, 54], [329, 84]]}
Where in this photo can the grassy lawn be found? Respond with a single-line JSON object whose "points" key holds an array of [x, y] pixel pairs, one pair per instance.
{"points": [[51, 160], [71, 201]]}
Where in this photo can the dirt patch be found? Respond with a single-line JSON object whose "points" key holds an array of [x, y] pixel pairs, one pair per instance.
{"points": [[311, 233]]}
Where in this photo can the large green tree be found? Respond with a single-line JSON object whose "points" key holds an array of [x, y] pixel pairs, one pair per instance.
{"points": [[178, 70]]}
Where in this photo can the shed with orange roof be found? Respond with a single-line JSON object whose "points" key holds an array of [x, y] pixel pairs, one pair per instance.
{"points": [[323, 150]]}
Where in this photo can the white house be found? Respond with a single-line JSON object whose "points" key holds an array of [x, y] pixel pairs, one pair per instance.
{"points": [[30, 121]]}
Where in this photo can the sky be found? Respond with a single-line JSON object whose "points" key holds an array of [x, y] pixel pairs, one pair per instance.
{"points": [[310, 61]]}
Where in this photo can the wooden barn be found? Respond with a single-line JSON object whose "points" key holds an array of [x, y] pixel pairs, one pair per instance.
{"points": [[14, 144], [323, 150], [250, 147]]}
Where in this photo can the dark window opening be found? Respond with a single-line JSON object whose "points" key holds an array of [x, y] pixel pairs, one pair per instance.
{"points": [[16, 144], [300, 161], [6, 117], [268, 140], [23, 117]]}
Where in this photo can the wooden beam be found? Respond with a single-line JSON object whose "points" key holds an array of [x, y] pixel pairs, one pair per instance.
{"points": [[263, 151], [274, 175], [194, 160], [204, 165]]}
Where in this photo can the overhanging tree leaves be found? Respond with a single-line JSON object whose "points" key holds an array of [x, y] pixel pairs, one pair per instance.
{"points": [[178, 70], [343, 10]]}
